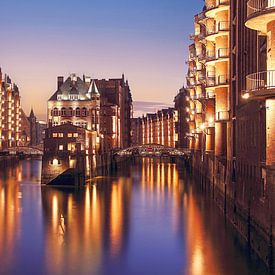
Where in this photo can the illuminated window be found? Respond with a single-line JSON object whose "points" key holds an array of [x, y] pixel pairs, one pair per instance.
{"points": [[70, 135], [55, 135], [60, 147], [60, 135], [55, 112], [75, 134]]}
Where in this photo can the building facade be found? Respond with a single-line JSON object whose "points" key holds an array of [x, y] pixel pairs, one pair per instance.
{"points": [[182, 101], [231, 113], [158, 128], [10, 113], [104, 106]]}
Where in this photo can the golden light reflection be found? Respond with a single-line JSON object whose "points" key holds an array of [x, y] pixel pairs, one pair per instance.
{"points": [[116, 219]]}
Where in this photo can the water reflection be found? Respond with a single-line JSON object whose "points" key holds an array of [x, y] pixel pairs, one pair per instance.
{"points": [[150, 220]]}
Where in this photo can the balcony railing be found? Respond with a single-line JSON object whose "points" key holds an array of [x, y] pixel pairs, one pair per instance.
{"points": [[219, 27], [258, 6], [223, 26], [219, 80], [222, 116], [210, 55], [223, 53], [222, 80], [216, 4], [220, 53], [261, 81]]}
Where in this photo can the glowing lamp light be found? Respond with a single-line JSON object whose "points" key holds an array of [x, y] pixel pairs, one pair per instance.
{"points": [[202, 126], [55, 162], [187, 110], [245, 96]]}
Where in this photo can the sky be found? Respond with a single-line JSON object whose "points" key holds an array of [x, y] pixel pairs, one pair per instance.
{"points": [[147, 40]]}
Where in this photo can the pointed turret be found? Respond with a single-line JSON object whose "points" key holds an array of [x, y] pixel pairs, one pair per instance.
{"points": [[93, 88], [32, 113]]}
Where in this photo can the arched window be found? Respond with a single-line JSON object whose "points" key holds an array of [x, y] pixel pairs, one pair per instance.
{"points": [[70, 112], [77, 112], [55, 112], [84, 112], [63, 112]]}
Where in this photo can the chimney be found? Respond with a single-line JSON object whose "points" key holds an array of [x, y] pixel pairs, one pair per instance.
{"points": [[60, 81]]}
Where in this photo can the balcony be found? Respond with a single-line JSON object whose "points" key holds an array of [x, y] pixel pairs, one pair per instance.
{"points": [[200, 17], [216, 30], [216, 6], [202, 57], [217, 56], [260, 85], [259, 14], [222, 116], [215, 81]]}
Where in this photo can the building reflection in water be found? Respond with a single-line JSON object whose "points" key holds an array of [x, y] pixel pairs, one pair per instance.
{"points": [[84, 228], [147, 219]]}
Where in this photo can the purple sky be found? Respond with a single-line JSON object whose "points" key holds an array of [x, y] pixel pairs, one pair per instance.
{"points": [[145, 39]]}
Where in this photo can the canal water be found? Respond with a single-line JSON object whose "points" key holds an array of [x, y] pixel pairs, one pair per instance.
{"points": [[148, 218]]}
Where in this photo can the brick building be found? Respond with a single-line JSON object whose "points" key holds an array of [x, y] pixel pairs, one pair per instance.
{"points": [[104, 106], [10, 113], [232, 112], [182, 101], [158, 128]]}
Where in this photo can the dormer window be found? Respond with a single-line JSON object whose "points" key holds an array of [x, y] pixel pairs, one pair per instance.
{"points": [[59, 97]]}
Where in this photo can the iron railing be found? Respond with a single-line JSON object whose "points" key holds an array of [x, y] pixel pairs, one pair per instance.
{"points": [[260, 81], [258, 6]]}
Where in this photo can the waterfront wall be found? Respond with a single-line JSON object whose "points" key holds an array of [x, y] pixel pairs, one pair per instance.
{"points": [[246, 200]]}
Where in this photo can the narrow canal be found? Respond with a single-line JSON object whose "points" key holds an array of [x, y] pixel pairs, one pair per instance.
{"points": [[149, 218]]}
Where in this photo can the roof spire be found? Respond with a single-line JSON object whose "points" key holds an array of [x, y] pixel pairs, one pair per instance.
{"points": [[93, 88], [32, 112]]}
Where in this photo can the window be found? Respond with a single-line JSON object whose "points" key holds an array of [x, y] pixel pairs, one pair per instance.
{"points": [[55, 135], [77, 112], [75, 135], [55, 112], [70, 135], [60, 135], [84, 112], [70, 112], [60, 147], [63, 112]]}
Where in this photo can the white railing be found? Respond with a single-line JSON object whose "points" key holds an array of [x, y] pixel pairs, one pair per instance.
{"points": [[260, 81], [256, 6]]}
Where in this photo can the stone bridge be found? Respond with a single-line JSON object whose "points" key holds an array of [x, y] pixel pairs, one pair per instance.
{"points": [[153, 150]]}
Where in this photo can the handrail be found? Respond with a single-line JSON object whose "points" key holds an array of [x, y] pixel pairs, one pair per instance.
{"points": [[256, 6], [261, 80]]}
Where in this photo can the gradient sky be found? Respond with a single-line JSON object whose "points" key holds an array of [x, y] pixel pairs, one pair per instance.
{"points": [[145, 39]]}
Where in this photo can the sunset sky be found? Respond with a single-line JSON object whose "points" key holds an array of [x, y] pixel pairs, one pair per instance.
{"points": [[145, 39]]}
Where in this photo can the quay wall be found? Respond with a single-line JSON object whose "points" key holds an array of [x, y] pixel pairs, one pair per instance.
{"points": [[239, 197]]}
